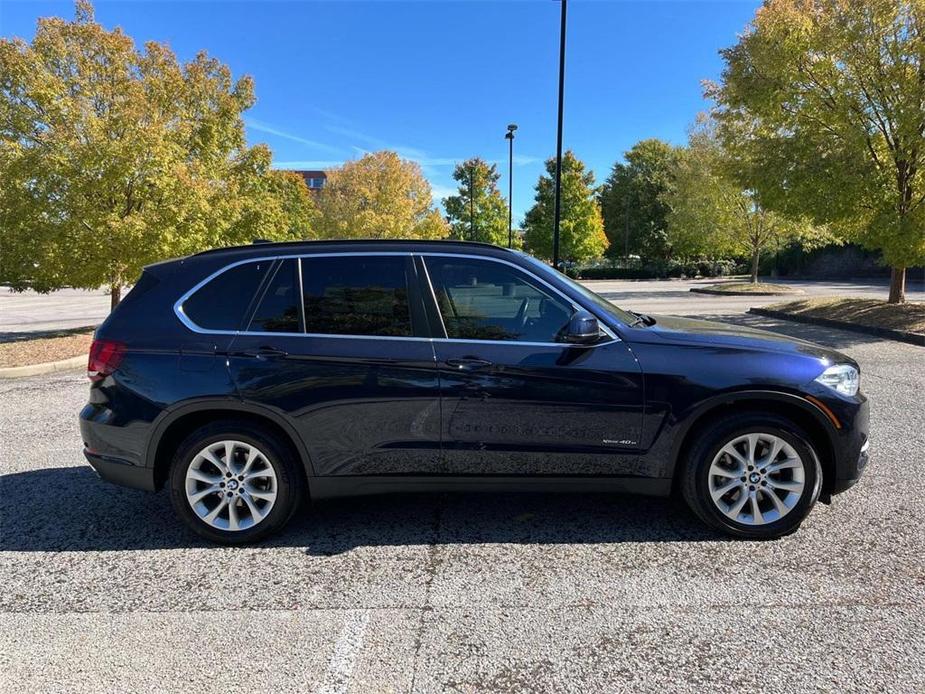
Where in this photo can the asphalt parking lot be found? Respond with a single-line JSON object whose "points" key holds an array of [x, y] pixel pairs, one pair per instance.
{"points": [[103, 590]]}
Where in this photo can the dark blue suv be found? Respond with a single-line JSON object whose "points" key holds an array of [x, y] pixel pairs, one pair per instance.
{"points": [[248, 379]]}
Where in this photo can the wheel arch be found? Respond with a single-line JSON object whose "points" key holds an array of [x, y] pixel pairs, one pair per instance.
{"points": [[802, 412], [179, 423]]}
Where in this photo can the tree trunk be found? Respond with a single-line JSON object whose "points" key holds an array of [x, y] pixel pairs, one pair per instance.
{"points": [[897, 285], [115, 296], [755, 258]]}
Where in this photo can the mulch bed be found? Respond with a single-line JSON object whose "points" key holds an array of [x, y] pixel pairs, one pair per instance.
{"points": [[24, 352]]}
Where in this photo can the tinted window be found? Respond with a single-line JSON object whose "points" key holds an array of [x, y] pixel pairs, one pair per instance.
{"points": [[221, 303], [485, 300], [356, 295], [278, 310]]}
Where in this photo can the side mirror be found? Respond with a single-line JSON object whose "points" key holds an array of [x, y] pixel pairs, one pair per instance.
{"points": [[582, 329]]}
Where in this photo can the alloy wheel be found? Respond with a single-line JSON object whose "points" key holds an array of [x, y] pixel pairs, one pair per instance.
{"points": [[231, 485], [756, 479]]}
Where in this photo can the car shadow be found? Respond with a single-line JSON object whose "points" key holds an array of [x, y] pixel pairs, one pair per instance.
{"points": [[71, 509]]}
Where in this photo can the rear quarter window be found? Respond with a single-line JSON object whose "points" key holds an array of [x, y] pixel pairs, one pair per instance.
{"points": [[222, 302]]}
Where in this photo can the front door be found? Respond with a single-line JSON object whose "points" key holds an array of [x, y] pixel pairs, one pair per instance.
{"points": [[515, 399], [336, 343]]}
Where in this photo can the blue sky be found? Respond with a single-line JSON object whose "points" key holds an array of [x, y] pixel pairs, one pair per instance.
{"points": [[439, 81]]}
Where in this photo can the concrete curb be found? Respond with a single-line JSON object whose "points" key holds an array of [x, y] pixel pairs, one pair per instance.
{"points": [[899, 335], [46, 368], [720, 292]]}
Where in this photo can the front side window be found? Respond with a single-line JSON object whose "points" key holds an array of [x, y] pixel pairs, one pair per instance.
{"points": [[278, 310], [485, 300], [356, 295], [221, 303]]}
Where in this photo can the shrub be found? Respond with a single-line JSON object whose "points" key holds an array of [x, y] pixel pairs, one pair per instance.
{"points": [[660, 269]]}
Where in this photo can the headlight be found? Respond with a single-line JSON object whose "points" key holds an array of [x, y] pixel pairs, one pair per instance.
{"points": [[842, 377]]}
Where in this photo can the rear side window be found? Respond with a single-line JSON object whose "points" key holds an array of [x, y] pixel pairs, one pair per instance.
{"points": [[278, 310], [356, 295], [222, 302]]}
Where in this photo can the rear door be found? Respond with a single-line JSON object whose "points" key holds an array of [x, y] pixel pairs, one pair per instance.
{"points": [[516, 400], [338, 344]]}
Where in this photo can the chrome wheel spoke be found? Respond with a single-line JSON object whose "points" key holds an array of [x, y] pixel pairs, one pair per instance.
{"points": [[200, 476], [260, 474], [779, 505], [757, 517], [786, 486], [229, 456], [252, 456], [730, 451], [203, 493], [233, 515], [751, 447], [241, 505], [723, 472], [263, 496], [213, 514], [719, 492], [776, 446], [215, 460], [786, 464], [737, 507], [256, 513]]}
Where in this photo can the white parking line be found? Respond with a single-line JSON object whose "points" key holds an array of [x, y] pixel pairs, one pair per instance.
{"points": [[346, 649]]}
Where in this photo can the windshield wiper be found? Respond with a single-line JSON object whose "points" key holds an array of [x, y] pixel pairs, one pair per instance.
{"points": [[643, 318]]}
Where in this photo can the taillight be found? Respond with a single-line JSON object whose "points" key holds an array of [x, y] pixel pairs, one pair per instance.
{"points": [[105, 357]]}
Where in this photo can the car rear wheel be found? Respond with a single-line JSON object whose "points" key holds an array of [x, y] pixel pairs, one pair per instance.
{"points": [[754, 476], [233, 483]]}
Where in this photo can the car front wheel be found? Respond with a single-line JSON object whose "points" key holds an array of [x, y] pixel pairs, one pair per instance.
{"points": [[754, 476]]}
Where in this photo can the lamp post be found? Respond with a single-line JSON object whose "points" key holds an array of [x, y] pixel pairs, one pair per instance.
{"points": [[472, 202], [558, 208], [509, 136]]}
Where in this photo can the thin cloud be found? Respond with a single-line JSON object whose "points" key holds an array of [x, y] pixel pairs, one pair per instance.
{"points": [[308, 164], [271, 130], [440, 192]]}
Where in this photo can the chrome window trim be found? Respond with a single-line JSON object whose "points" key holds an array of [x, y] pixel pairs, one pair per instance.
{"points": [[188, 322]]}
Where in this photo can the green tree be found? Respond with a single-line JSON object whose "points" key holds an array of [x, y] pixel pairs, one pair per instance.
{"points": [[711, 214], [635, 214], [112, 158], [823, 103], [477, 212], [379, 196], [581, 230]]}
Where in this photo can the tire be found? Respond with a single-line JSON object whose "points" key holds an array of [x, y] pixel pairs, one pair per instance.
{"points": [[264, 495], [794, 476]]}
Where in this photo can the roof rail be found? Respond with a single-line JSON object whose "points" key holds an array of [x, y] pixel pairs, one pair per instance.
{"points": [[306, 242]]}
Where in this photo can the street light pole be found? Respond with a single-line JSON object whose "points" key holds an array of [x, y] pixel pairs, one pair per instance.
{"points": [[509, 136], [558, 208], [472, 202]]}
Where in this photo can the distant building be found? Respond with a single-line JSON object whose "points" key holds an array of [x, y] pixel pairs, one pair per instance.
{"points": [[313, 179]]}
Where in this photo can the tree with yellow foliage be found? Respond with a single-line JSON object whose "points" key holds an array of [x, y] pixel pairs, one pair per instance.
{"points": [[113, 157], [379, 196]]}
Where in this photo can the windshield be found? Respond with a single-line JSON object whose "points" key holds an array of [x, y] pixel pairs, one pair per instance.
{"points": [[596, 299]]}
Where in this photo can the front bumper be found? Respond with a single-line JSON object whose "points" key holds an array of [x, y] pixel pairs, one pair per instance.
{"points": [[854, 472], [851, 444]]}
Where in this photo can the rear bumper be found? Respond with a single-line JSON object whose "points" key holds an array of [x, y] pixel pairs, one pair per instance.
{"points": [[120, 471]]}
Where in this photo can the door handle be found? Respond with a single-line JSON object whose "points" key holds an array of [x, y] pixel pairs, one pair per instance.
{"points": [[468, 363], [264, 352]]}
